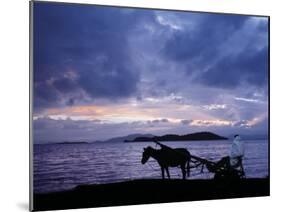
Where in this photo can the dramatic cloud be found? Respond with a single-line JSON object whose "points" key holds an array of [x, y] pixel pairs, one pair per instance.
{"points": [[81, 52], [101, 72], [249, 67], [204, 39], [224, 50]]}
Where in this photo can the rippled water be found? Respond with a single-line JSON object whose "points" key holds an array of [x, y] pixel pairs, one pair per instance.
{"points": [[64, 166]]}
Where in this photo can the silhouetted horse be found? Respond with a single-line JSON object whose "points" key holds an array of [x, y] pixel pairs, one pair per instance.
{"points": [[169, 158]]}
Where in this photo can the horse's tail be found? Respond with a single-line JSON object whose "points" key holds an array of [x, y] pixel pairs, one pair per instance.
{"points": [[188, 167], [188, 164]]}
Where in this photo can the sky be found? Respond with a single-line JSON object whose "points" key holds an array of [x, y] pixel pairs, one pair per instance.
{"points": [[102, 72]]}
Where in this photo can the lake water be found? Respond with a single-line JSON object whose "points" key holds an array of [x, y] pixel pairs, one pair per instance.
{"points": [[63, 166]]}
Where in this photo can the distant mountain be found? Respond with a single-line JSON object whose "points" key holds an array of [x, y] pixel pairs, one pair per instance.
{"points": [[72, 142], [128, 137], [199, 136]]}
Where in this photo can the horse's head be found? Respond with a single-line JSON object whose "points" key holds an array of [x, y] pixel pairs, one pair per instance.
{"points": [[146, 154]]}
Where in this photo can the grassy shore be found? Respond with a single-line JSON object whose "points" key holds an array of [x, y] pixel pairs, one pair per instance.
{"points": [[149, 191]]}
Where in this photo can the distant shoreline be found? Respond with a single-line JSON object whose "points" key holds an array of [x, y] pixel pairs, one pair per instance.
{"points": [[68, 142], [132, 141], [175, 141]]}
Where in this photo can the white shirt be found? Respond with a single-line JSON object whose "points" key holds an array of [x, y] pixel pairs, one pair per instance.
{"points": [[237, 150]]}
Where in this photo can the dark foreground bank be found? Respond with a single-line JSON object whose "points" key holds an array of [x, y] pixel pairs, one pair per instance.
{"points": [[149, 191]]}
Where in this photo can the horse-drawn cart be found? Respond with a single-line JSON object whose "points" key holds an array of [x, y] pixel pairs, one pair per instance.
{"points": [[221, 169], [180, 157]]}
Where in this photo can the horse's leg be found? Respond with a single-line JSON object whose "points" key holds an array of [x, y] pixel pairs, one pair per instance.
{"points": [[168, 174], [183, 171], [162, 171]]}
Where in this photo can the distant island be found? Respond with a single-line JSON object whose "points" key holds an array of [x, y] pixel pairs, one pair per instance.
{"points": [[199, 136]]}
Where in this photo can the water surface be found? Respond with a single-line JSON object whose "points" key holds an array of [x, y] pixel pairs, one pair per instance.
{"points": [[63, 166]]}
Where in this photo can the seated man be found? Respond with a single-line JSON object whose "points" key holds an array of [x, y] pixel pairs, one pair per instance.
{"points": [[237, 151], [234, 159]]}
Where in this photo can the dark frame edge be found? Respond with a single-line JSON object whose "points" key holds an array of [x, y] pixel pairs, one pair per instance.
{"points": [[31, 205], [268, 84]]}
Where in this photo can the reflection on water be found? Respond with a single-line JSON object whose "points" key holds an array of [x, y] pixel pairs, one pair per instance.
{"points": [[64, 166]]}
